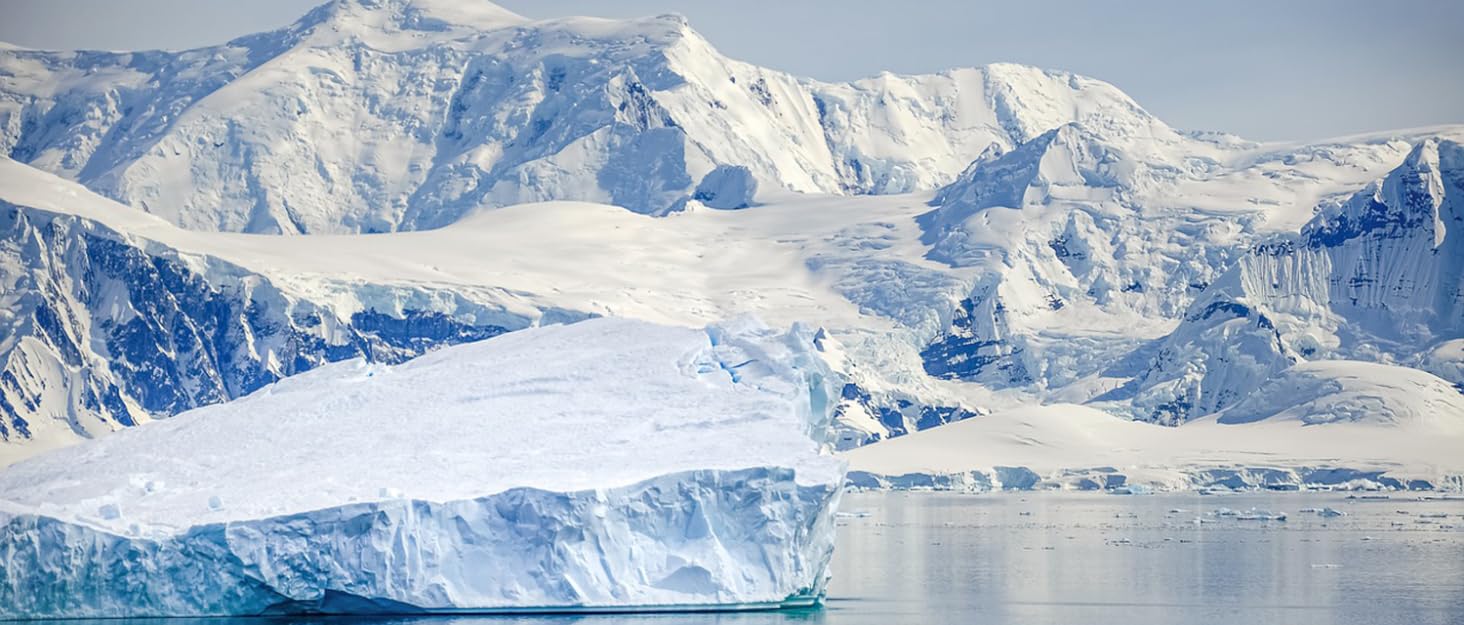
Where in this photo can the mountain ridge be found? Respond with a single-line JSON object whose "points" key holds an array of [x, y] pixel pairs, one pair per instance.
{"points": [[452, 118]]}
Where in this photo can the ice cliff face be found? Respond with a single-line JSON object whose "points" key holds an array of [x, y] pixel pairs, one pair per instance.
{"points": [[455, 105], [603, 464]]}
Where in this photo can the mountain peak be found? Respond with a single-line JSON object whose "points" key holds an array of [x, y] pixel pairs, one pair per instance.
{"points": [[1420, 195], [392, 16], [1047, 98], [1066, 155]]}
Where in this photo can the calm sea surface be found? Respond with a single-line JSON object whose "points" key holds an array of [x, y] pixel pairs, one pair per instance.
{"points": [[1070, 559]]}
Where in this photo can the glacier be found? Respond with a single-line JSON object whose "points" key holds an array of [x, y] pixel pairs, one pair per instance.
{"points": [[602, 465]]}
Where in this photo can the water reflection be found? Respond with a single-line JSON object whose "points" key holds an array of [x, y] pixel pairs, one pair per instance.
{"points": [[1104, 559]]}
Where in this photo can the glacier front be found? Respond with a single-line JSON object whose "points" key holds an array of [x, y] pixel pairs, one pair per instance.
{"points": [[604, 465]]}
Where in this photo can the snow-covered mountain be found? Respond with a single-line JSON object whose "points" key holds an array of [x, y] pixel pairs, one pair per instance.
{"points": [[1377, 277], [105, 329], [1087, 248], [384, 115], [967, 242]]}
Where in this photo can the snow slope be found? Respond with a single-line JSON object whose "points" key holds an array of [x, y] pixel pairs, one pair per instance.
{"points": [[1339, 424], [382, 115], [1345, 391], [608, 463]]}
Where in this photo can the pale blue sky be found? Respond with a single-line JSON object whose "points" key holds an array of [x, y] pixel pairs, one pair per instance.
{"points": [[1292, 69]]}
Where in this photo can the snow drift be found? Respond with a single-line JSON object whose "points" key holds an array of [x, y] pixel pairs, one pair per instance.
{"points": [[608, 464]]}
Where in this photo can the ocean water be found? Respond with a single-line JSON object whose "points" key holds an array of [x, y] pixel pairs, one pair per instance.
{"points": [[1092, 559]]}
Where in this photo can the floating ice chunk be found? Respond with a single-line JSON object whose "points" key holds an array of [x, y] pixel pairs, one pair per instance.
{"points": [[1258, 514], [590, 466]]}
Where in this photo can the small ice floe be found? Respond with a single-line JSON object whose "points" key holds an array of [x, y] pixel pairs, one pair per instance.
{"points": [[1225, 512], [852, 514], [1432, 515], [1257, 514], [1177, 511], [1024, 513], [1326, 566]]}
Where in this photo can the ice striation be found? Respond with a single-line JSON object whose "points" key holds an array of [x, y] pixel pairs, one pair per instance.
{"points": [[608, 464]]}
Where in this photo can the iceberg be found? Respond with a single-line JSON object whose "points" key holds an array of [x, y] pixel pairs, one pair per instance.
{"points": [[605, 465]]}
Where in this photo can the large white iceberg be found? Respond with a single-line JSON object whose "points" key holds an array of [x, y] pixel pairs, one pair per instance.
{"points": [[604, 465]]}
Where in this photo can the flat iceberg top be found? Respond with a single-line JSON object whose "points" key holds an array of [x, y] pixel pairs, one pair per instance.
{"points": [[596, 404]]}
